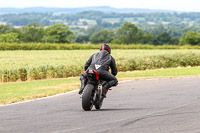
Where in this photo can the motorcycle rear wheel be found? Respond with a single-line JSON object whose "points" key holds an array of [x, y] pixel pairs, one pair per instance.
{"points": [[88, 97]]}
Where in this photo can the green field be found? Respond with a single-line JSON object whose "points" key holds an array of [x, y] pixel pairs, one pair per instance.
{"points": [[112, 20], [34, 65]]}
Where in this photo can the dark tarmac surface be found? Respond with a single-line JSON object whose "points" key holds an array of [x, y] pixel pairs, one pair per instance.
{"points": [[140, 106]]}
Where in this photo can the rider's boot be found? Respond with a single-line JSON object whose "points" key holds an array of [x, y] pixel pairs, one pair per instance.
{"points": [[83, 83], [105, 87]]}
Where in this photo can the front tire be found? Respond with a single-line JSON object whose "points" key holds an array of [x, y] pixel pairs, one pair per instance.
{"points": [[87, 97], [99, 104]]}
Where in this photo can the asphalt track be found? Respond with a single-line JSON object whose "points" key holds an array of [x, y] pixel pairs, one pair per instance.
{"points": [[139, 106]]}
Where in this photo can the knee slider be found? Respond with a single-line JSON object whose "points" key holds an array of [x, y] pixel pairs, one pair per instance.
{"points": [[116, 83]]}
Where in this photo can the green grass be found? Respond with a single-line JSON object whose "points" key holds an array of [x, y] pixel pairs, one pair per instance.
{"points": [[171, 72], [15, 92]]}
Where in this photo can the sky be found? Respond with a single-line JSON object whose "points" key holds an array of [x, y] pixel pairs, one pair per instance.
{"points": [[177, 5]]}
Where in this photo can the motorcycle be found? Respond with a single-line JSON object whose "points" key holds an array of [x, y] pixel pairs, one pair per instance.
{"points": [[92, 93]]}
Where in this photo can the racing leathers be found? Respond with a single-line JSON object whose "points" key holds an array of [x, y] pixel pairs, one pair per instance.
{"points": [[101, 62]]}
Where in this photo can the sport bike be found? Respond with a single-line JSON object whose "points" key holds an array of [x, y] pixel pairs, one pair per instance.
{"points": [[92, 93]]}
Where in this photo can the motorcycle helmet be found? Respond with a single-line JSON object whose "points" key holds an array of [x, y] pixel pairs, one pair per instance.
{"points": [[105, 47]]}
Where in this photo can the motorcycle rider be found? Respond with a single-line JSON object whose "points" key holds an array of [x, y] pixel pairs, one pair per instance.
{"points": [[101, 62]]}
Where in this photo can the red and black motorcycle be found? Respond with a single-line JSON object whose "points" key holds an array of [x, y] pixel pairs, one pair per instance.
{"points": [[92, 93]]}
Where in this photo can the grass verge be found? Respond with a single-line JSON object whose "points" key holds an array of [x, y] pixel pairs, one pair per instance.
{"points": [[16, 92]]}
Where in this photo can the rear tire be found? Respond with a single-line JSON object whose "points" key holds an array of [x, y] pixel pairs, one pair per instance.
{"points": [[87, 97]]}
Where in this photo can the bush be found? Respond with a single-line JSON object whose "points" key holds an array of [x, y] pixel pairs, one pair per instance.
{"points": [[49, 46]]}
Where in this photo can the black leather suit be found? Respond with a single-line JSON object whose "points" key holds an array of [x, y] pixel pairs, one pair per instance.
{"points": [[101, 62]]}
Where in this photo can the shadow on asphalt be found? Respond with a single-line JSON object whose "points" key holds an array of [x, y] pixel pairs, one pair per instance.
{"points": [[120, 109]]}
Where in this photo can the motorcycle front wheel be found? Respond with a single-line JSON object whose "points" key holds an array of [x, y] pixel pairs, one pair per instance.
{"points": [[99, 104]]}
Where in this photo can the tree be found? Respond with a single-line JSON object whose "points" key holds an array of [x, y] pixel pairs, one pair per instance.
{"points": [[154, 30], [32, 33], [58, 33], [148, 38], [99, 21], [92, 30], [128, 34], [5, 29], [106, 25], [9, 37], [174, 40], [162, 38], [82, 39], [116, 25], [103, 36], [192, 38]]}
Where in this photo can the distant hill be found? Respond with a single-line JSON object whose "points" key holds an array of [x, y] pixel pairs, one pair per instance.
{"points": [[105, 9]]}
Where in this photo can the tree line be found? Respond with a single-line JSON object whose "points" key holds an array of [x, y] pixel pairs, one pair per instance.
{"points": [[128, 33], [58, 33], [142, 19]]}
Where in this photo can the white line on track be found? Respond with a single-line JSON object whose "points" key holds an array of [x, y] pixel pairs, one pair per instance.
{"points": [[40, 98], [77, 91]]}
